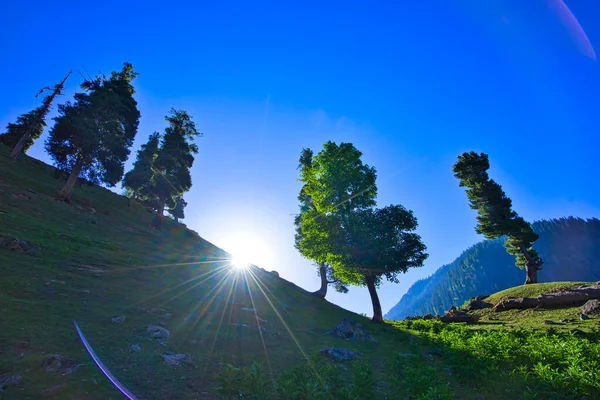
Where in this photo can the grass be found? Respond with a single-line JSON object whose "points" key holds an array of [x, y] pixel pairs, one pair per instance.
{"points": [[97, 259], [532, 290]]}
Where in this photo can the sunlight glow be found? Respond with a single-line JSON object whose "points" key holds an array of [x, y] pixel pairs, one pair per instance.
{"points": [[246, 249]]}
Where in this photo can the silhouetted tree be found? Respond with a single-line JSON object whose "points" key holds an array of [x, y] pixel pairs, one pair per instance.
{"points": [[361, 243], [29, 127], [141, 173], [176, 207], [171, 169], [495, 214], [92, 136]]}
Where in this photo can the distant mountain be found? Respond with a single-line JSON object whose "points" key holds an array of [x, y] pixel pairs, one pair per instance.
{"points": [[569, 246]]}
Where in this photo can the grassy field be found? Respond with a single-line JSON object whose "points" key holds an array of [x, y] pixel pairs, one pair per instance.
{"points": [[97, 259]]}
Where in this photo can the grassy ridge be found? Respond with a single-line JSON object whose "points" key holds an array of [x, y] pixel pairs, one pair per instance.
{"points": [[97, 259]]}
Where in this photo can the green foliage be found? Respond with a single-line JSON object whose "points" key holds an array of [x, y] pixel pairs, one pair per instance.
{"points": [[495, 215], [96, 131], [141, 173], [315, 379], [171, 168], [28, 121], [339, 225], [312, 247], [29, 127], [563, 363], [487, 268]]}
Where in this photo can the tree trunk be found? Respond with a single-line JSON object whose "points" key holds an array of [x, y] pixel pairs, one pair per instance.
{"points": [[159, 214], [64, 194], [131, 198], [377, 314], [531, 267], [530, 273], [20, 144], [322, 292]]}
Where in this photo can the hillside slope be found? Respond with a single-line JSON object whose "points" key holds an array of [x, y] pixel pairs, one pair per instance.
{"points": [[99, 263], [570, 248]]}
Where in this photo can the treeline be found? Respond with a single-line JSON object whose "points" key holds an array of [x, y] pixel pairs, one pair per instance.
{"points": [[570, 246], [92, 136]]}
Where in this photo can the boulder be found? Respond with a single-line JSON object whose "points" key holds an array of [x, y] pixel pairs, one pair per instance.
{"points": [[157, 332], [338, 354], [351, 330], [8, 381], [135, 347], [591, 307], [175, 359], [53, 363], [119, 319]]}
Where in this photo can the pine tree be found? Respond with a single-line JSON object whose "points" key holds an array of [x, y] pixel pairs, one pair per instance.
{"points": [[93, 135], [29, 126], [362, 244], [141, 173], [171, 169], [496, 217]]}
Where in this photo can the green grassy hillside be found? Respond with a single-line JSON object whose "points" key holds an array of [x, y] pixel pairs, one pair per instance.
{"points": [[97, 259]]}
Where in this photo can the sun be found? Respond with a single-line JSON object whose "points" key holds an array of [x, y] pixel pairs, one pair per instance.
{"points": [[248, 249]]}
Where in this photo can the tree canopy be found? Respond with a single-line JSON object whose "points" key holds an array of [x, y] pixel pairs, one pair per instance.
{"points": [[171, 168], [495, 214], [313, 251], [141, 173], [29, 127], [92, 135], [362, 244]]}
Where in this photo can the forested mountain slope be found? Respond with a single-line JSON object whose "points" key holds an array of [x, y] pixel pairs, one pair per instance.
{"points": [[569, 246]]}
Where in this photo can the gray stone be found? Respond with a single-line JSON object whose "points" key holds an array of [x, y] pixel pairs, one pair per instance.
{"points": [[119, 319], [135, 347], [351, 330], [157, 332], [53, 363], [8, 381], [338, 353], [477, 303], [591, 307], [175, 359], [167, 316]]}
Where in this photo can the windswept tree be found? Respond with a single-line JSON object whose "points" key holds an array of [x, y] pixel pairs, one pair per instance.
{"points": [[29, 127], [363, 244], [496, 217], [92, 136], [171, 169], [314, 251], [176, 207], [141, 173]]}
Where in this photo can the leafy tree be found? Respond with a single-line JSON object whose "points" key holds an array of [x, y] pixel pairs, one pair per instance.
{"points": [[29, 127], [362, 244], [141, 173], [496, 217], [314, 252], [92, 136], [176, 207], [171, 177]]}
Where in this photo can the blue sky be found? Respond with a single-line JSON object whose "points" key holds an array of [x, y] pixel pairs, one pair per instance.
{"points": [[411, 84]]}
